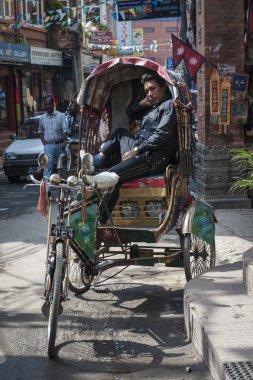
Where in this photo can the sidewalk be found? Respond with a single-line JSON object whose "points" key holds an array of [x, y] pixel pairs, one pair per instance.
{"points": [[218, 306]]}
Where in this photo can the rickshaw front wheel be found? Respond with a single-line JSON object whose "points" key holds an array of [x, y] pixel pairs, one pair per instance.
{"points": [[199, 256]]}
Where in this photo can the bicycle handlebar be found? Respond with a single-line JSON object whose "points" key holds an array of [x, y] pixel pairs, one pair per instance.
{"points": [[101, 181]]}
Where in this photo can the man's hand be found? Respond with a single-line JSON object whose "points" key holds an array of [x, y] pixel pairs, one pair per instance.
{"points": [[130, 154], [145, 103]]}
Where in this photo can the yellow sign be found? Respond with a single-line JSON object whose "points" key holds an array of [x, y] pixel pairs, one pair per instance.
{"points": [[138, 42]]}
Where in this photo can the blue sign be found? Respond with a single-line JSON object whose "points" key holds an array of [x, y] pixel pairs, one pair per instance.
{"points": [[147, 9], [170, 63], [240, 82], [14, 52]]}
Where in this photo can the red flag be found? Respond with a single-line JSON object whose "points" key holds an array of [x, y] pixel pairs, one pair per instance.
{"points": [[192, 58], [42, 206]]}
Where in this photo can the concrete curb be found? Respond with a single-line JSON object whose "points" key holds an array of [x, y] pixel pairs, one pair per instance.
{"points": [[218, 318]]}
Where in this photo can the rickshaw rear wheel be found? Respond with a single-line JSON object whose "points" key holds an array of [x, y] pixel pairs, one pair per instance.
{"points": [[79, 278], [199, 256]]}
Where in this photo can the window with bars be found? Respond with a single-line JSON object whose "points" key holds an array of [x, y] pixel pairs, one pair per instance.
{"points": [[68, 3], [170, 29], [32, 11], [148, 30], [5, 8]]}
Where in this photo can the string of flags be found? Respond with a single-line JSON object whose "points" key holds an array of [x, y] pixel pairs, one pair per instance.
{"points": [[62, 16], [135, 48]]}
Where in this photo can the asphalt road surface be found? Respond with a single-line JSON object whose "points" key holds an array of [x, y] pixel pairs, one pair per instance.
{"points": [[131, 327]]}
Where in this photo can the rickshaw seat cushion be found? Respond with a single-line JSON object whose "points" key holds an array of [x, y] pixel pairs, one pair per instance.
{"points": [[157, 181]]}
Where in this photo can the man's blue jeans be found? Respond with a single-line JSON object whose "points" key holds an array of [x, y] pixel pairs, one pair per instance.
{"points": [[53, 152]]}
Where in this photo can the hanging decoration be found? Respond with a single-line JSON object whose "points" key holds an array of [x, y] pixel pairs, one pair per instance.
{"points": [[62, 17], [214, 93], [225, 100], [192, 58]]}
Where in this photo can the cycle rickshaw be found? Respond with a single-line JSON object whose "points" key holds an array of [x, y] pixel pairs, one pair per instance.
{"points": [[79, 248], [148, 207]]}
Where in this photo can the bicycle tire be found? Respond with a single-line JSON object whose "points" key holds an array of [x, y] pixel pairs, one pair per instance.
{"points": [[79, 280], [199, 256], [54, 305]]}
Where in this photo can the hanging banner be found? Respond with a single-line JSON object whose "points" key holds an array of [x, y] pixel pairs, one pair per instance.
{"points": [[214, 93], [225, 99], [124, 37], [138, 42], [146, 9]]}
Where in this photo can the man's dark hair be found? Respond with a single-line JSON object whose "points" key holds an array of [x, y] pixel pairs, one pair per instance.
{"points": [[152, 76]]}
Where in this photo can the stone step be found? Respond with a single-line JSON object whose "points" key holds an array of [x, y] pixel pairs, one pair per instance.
{"points": [[247, 269]]}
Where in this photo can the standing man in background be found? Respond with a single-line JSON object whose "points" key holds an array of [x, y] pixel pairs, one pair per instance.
{"points": [[53, 131]]}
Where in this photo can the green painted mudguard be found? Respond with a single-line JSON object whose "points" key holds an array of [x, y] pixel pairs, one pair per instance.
{"points": [[200, 220]]}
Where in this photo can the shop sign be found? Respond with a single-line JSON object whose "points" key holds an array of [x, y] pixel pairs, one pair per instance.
{"points": [[89, 63], [14, 53], [101, 38], [240, 82], [169, 63], [146, 9], [47, 57]]}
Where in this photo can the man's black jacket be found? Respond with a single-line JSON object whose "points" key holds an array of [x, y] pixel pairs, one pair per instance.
{"points": [[158, 132]]}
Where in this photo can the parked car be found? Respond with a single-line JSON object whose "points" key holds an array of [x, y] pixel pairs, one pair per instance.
{"points": [[20, 158]]}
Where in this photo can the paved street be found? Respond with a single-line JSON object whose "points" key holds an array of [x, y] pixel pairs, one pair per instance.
{"points": [[131, 328]]}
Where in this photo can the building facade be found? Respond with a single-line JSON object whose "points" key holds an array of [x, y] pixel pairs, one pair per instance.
{"points": [[38, 57]]}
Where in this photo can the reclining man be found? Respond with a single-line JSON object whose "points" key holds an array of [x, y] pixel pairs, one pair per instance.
{"points": [[152, 147]]}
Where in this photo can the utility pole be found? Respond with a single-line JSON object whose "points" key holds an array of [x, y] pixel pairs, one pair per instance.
{"points": [[183, 35], [183, 32]]}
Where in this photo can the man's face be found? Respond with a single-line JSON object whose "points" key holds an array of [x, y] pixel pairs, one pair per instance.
{"points": [[49, 106], [154, 92]]}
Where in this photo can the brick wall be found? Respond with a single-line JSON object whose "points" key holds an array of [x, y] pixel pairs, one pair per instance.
{"points": [[220, 36], [159, 34]]}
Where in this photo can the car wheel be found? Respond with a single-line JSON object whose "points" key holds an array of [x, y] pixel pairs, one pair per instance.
{"points": [[14, 179]]}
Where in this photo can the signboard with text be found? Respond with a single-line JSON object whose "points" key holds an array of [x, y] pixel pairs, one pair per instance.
{"points": [[147, 9], [102, 38], [14, 52], [124, 37], [47, 57]]}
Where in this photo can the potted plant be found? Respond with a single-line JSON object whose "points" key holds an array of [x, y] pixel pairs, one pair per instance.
{"points": [[243, 160]]}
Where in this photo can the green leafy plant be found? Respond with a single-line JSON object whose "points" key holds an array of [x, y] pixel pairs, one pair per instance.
{"points": [[243, 160]]}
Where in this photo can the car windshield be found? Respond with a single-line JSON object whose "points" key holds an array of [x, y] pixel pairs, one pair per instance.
{"points": [[29, 130]]}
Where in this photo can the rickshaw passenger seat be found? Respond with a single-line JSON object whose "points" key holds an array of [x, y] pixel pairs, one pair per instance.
{"points": [[144, 201]]}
